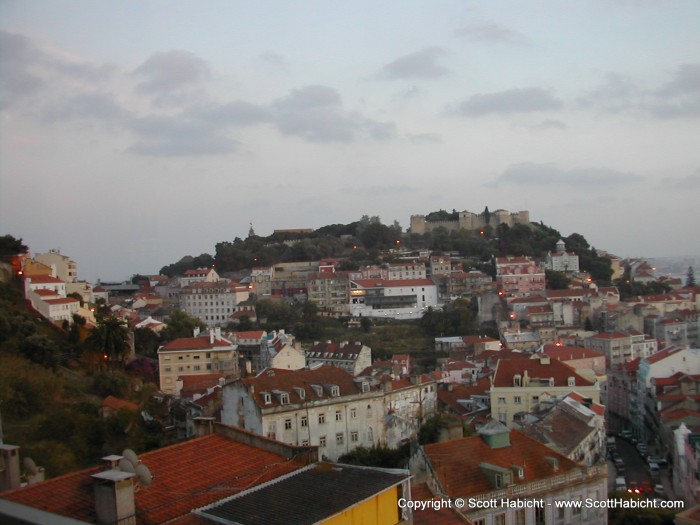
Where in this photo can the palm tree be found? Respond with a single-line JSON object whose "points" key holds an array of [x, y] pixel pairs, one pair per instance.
{"points": [[111, 337]]}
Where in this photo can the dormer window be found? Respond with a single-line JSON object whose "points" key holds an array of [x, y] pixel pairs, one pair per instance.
{"points": [[365, 386], [335, 390], [284, 399], [267, 398], [572, 381], [300, 392], [517, 380], [318, 390]]}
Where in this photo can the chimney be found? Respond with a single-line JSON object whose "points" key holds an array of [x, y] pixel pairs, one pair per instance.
{"points": [[203, 426], [10, 473], [196, 331], [211, 336], [114, 497], [111, 462], [217, 332]]}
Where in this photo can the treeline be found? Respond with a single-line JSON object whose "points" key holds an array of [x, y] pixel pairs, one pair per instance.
{"points": [[368, 241]]}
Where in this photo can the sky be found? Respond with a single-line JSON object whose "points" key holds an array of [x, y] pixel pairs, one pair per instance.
{"points": [[136, 132]]}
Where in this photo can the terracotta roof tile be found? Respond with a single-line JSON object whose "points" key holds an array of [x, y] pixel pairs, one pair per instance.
{"points": [[508, 368], [188, 475], [457, 462]]}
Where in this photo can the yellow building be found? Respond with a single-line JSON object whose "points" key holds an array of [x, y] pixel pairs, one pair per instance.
{"points": [[199, 355]]}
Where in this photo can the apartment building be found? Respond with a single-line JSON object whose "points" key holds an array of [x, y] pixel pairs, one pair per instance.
{"points": [[520, 386], [213, 302], [519, 277], [402, 299], [198, 355], [352, 357]]}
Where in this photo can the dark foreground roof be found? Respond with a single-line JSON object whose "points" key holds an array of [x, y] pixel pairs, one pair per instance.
{"points": [[306, 496]]}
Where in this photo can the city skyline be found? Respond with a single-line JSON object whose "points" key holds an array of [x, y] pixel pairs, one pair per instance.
{"points": [[139, 132]]}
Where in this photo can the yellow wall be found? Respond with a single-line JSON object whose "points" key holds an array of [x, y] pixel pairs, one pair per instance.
{"points": [[383, 509]]}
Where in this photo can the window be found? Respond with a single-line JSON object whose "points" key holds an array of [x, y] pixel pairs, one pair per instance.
{"points": [[338, 415], [539, 516], [370, 435], [576, 510], [167, 369], [197, 367], [305, 443], [267, 397], [499, 519], [339, 438], [517, 400], [322, 441], [321, 419], [304, 421], [502, 400], [272, 430], [369, 410], [354, 436], [288, 424], [520, 517], [353, 413]]}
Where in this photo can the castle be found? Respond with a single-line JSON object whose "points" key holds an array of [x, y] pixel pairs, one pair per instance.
{"points": [[470, 221]]}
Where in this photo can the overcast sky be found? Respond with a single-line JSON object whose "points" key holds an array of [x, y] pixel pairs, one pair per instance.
{"points": [[136, 132]]}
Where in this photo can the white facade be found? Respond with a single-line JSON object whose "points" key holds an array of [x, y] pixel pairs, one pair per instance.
{"points": [[212, 302], [58, 310], [392, 299]]}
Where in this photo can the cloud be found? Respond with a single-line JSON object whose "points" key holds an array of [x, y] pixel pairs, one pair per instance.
{"points": [[421, 64], [677, 98], [272, 59], [532, 174], [691, 182], [171, 71], [28, 69], [681, 96], [236, 113], [375, 190], [490, 33], [425, 138], [617, 93], [550, 124], [315, 113], [99, 106], [177, 137], [510, 101]]}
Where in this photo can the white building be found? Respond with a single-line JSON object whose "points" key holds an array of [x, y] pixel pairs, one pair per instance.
{"points": [[213, 302], [352, 357], [398, 299], [328, 408], [560, 260]]}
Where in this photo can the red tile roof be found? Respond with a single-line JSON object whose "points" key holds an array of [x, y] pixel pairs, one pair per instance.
{"points": [[430, 516], [114, 403], [45, 293], [560, 372], [286, 381], [569, 353], [43, 279], [457, 462], [195, 343], [62, 300], [188, 475]]}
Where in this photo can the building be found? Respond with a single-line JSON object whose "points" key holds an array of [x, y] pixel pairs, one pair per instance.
{"points": [[467, 220], [621, 347], [329, 291], [62, 267], [352, 357], [328, 408], [519, 277], [198, 355], [560, 260], [212, 302], [199, 275], [508, 477], [405, 299], [521, 386], [573, 427], [226, 476]]}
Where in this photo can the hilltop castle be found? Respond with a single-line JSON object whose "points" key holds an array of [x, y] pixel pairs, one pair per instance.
{"points": [[470, 221]]}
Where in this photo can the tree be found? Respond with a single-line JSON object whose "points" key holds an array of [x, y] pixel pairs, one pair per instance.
{"points": [[180, 324], [111, 339], [556, 280], [690, 278], [9, 247], [39, 349]]}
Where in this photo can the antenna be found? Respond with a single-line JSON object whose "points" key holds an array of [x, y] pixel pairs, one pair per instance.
{"points": [[30, 466], [144, 475], [126, 466], [131, 456]]}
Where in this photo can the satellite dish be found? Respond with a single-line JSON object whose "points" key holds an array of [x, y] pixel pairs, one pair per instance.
{"points": [[144, 475], [131, 456], [30, 466], [126, 466]]}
